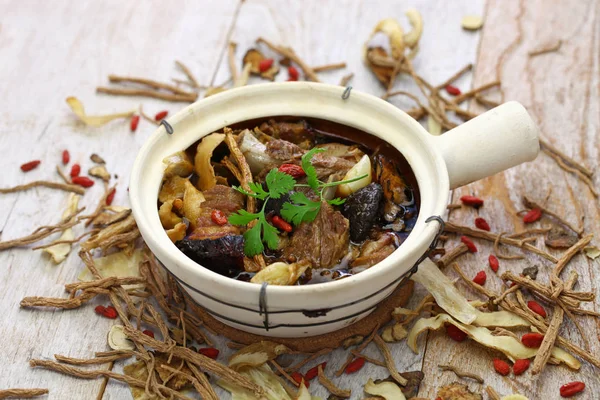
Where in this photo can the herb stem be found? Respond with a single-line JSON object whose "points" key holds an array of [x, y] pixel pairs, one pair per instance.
{"points": [[358, 178]]}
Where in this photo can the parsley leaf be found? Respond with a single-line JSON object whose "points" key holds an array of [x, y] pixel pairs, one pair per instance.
{"points": [[336, 202], [252, 242], [301, 210], [279, 183], [269, 234], [242, 217], [311, 172], [257, 191]]}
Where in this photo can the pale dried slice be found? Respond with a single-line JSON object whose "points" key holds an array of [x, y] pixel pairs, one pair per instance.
{"points": [[173, 188], [106, 237], [253, 57], [434, 126], [59, 252], [392, 29], [94, 120], [244, 76], [394, 333], [257, 354], [97, 159], [108, 218], [411, 39], [508, 345], [262, 376], [177, 233], [471, 22], [99, 171], [178, 164], [117, 264], [139, 371], [204, 151], [303, 393], [387, 390], [281, 273], [271, 73], [362, 167], [117, 340], [214, 90], [592, 252], [192, 203], [515, 397], [457, 391], [168, 218]]}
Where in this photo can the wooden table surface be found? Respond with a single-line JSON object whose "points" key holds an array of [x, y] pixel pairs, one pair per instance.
{"points": [[51, 50]]}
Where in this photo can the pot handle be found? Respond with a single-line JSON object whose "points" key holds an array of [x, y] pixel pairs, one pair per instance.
{"points": [[499, 139]]}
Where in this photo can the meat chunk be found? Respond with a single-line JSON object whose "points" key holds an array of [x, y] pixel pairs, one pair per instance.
{"points": [[374, 251], [222, 198], [323, 241], [299, 133], [283, 150], [328, 165], [224, 255], [362, 209]]}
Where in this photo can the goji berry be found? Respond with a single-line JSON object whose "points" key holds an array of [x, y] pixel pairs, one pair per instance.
{"points": [[355, 366], [532, 216], [108, 312], [161, 115], [521, 366], [454, 333], [453, 90], [293, 73], [494, 264], [472, 201], [482, 224], [297, 377], [66, 157], [135, 121], [218, 217], [280, 223], [536, 308], [469, 243], [265, 64], [148, 332], [82, 181], [294, 170], [209, 352], [480, 278], [501, 367], [314, 371], [75, 170], [571, 389], [111, 196], [532, 340], [28, 166]]}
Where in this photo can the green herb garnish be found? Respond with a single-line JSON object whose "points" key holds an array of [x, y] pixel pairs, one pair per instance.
{"points": [[301, 209]]}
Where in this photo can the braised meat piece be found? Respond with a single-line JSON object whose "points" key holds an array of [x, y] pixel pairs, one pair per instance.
{"points": [[362, 209], [328, 165], [224, 199], [283, 150], [224, 255], [323, 241], [374, 251], [299, 133]]}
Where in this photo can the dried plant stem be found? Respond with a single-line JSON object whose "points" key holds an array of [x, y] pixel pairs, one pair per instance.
{"points": [[389, 360], [467, 95], [368, 359], [147, 117], [188, 74], [561, 163], [566, 257], [90, 361], [532, 204], [570, 297], [453, 206], [231, 46], [104, 283], [478, 233], [289, 53], [329, 67], [548, 148], [283, 373], [22, 393], [100, 394], [52, 185], [361, 347], [62, 175], [455, 77], [189, 98], [101, 203], [486, 102], [209, 392], [148, 82], [309, 359], [330, 386], [546, 49], [504, 256], [492, 393], [508, 291], [39, 234], [460, 373], [346, 79], [76, 240], [96, 373]]}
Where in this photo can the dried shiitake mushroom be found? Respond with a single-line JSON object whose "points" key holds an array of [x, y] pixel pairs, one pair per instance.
{"points": [[254, 57], [97, 159]]}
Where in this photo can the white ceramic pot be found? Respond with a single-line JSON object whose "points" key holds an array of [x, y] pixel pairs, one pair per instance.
{"points": [[497, 140]]}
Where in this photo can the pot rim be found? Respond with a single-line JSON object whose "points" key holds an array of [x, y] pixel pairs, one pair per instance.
{"points": [[161, 246]]}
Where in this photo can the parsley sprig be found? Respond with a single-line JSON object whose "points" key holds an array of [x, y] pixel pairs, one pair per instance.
{"points": [[300, 209]]}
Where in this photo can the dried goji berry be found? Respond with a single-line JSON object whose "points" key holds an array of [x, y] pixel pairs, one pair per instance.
{"points": [[66, 157], [111, 196], [293, 73], [532, 216], [28, 166], [82, 181], [521, 366], [218, 217], [265, 64], [314, 371], [280, 223], [469, 243], [209, 352], [494, 264], [453, 90], [148, 332], [355, 365], [161, 115], [454, 333], [501, 367], [294, 170], [571, 389], [75, 170], [108, 312], [532, 340], [135, 120], [297, 377], [482, 224], [480, 278], [472, 201], [536, 308]]}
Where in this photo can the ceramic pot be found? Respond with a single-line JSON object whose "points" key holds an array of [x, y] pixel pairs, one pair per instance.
{"points": [[499, 139]]}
